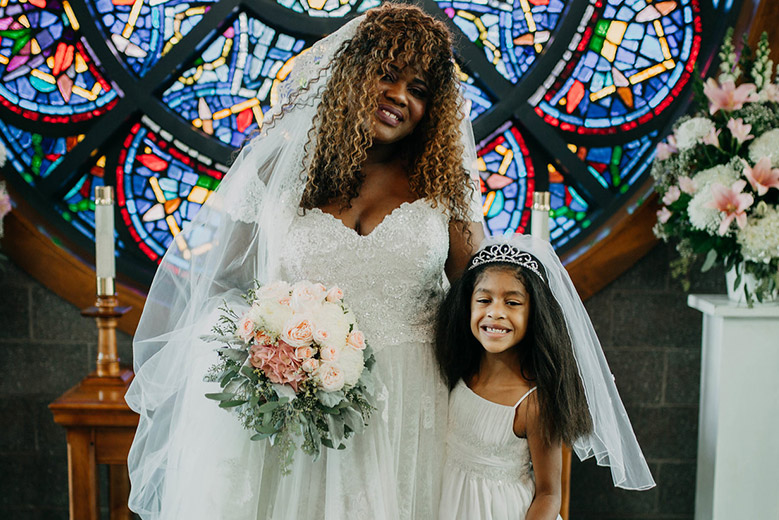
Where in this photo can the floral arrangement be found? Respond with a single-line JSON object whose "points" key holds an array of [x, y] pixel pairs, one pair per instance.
{"points": [[718, 174], [294, 367]]}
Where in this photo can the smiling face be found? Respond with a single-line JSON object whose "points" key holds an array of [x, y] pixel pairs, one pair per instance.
{"points": [[500, 310], [403, 95]]}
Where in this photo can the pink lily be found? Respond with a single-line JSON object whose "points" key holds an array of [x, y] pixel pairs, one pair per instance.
{"points": [[727, 96], [687, 185], [731, 202], [761, 176], [671, 195], [663, 215], [739, 130], [712, 138], [665, 150]]}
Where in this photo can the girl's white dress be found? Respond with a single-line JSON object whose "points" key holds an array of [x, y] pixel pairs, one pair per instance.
{"points": [[392, 279], [487, 475]]}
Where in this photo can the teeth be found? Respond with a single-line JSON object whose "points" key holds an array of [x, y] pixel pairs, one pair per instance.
{"points": [[390, 114], [492, 329]]}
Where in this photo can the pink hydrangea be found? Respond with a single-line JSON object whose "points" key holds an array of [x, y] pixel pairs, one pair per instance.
{"points": [[279, 363]]}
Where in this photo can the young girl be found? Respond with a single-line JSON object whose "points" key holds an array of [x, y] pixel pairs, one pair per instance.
{"points": [[511, 333]]}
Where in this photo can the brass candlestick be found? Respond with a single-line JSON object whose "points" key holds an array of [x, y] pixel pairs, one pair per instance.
{"points": [[107, 312]]}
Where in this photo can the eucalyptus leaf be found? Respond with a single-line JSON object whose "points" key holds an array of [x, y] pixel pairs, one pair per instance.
{"points": [[234, 354], [221, 338], [711, 259], [260, 436], [268, 407], [220, 396], [232, 403]]}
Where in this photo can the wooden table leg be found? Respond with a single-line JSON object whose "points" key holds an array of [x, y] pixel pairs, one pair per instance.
{"points": [[119, 490], [82, 475]]}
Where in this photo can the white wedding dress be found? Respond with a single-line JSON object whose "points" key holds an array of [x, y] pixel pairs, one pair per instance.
{"points": [[392, 279]]}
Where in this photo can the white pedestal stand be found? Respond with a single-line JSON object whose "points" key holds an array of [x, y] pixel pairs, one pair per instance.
{"points": [[738, 436]]}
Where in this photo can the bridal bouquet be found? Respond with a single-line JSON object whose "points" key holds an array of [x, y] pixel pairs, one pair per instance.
{"points": [[294, 366], [718, 174]]}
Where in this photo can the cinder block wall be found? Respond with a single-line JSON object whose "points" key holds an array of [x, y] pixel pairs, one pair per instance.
{"points": [[651, 339]]}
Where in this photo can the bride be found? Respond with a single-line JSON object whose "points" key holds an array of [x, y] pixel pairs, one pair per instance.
{"points": [[362, 177]]}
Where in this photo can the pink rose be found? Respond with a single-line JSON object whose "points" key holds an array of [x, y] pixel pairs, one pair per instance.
{"points": [[356, 340], [303, 353], [298, 332], [331, 378], [262, 338], [663, 215], [335, 294], [246, 328], [328, 353], [321, 336], [305, 295], [310, 365]]}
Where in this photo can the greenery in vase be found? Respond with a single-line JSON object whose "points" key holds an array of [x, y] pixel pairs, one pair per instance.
{"points": [[718, 173]]}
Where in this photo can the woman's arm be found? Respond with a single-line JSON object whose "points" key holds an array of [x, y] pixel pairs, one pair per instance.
{"points": [[547, 465], [462, 245]]}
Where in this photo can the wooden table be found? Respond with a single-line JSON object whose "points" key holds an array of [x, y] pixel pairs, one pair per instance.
{"points": [[100, 428]]}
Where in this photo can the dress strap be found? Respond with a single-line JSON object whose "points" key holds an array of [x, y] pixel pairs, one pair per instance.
{"points": [[524, 396]]}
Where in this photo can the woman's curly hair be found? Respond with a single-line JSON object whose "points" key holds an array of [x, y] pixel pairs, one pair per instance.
{"points": [[342, 132]]}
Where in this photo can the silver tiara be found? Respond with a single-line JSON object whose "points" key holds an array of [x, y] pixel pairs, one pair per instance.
{"points": [[505, 253]]}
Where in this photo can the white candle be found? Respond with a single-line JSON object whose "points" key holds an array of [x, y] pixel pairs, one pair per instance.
{"points": [[539, 219], [105, 267]]}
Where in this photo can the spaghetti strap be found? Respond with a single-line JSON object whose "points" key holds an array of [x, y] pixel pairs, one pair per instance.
{"points": [[524, 396]]}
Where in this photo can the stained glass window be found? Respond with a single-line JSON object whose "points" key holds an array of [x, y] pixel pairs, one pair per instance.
{"points": [[154, 96]]}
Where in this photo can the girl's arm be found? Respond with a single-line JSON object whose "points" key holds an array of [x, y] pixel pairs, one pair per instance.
{"points": [[461, 247], [547, 465]]}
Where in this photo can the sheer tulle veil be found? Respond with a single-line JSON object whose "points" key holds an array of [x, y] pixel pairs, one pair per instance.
{"points": [[228, 244], [612, 441]]}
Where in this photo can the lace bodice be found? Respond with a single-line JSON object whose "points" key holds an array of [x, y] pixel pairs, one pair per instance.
{"points": [[391, 278]]}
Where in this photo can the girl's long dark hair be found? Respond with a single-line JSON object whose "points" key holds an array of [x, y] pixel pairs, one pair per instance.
{"points": [[545, 354]]}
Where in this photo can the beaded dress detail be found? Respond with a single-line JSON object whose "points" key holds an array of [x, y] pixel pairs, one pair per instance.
{"points": [[392, 280], [487, 475]]}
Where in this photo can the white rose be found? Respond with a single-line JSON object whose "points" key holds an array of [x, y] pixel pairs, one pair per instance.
{"points": [[330, 377], [767, 145], [692, 132]]}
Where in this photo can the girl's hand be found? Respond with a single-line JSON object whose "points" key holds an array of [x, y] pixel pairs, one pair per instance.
{"points": [[547, 464]]}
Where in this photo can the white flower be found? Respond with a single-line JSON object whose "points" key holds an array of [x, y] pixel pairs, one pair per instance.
{"points": [[330, 377], [330, 317], [767, 145], [759, 240], [351, 363], [274, 291], [693, 131], [272, 313], [702, 215], [3, 155], [305, 295]]}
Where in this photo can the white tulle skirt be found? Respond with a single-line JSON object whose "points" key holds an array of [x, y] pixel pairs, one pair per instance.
{"points": [[391, 471]]}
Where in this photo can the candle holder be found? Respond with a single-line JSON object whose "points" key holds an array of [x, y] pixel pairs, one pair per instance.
{"points": [[107, 312]]}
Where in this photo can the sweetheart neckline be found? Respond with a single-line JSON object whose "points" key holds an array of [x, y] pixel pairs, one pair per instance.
{"points": [[387, 217]]}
